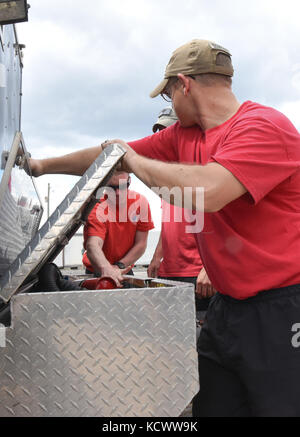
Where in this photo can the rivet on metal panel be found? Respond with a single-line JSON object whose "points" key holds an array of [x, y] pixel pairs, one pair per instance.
{"points": [[8, 374], [42, 357], [75, 405], [24, 340], [26, 375], [58, 405], [11, 411], [74, 388], [58, 388], [9, 393], [25, 358], [43, 374], [42, 325], [27, 392], [126, 413], [42, 407], [58, 373], [24, 324]]}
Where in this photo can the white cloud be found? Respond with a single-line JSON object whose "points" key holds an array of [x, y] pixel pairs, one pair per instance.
{"points": [[90, 66], [292, 111]]}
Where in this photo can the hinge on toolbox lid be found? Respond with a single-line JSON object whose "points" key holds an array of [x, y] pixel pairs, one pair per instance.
{"points": [[4, 158]]}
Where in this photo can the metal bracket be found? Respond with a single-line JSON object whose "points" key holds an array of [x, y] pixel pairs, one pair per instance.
{"points": [[4, 158], [18, 48], [10, 162], [16, 156]]}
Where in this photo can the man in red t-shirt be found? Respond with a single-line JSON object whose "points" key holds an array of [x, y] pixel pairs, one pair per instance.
{"points": [[116, 232], [247, 162], [176, 256]]}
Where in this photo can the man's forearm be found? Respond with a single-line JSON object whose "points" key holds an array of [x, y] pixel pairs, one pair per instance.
{"points": [[158, 253], [133, 254], [97, 259], [73, 164], [169, 175], [206, 188]]}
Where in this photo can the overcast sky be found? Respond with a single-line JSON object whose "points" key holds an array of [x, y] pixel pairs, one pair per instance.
{"points": [[89, 66]]}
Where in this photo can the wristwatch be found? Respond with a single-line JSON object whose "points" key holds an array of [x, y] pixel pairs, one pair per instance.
{"points": [[120, 265]]}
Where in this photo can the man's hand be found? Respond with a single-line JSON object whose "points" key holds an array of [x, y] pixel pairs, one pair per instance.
{"points": [[31, 166], [115, 273], [35, 166], [128, 159], [204, 287], [153, 268]]}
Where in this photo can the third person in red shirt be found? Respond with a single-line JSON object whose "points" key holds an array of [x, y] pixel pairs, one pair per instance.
{"points": [[176, 256]]}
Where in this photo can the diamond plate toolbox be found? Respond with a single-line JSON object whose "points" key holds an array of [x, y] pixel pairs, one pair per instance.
{"points": [[110, 353]]}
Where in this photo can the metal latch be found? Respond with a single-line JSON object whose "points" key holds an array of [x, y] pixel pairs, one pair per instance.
{"points": [[20, 158]]}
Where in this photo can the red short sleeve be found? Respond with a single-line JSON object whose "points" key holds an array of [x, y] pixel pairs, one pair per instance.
{"points": [[139, 212], [95, 227], [161, 145], [260, 154]]}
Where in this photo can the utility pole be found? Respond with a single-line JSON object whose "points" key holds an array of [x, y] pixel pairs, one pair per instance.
{"points": [[47, 199], [48, 206]]}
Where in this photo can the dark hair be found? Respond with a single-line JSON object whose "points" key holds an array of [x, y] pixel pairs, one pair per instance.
{"points": [[211, 79]]}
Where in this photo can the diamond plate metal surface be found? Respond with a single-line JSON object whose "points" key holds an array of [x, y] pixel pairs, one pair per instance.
{"points": [[107, 353]]}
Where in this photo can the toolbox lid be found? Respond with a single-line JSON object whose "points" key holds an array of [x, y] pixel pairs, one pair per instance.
{"points": [[20, 205], [61, 225]]}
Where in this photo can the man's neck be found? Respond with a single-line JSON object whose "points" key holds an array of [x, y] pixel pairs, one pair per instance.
{"points": [[218, 106]]}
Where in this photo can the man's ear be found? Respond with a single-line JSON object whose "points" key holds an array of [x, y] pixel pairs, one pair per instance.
{"points": [[185, 83]]}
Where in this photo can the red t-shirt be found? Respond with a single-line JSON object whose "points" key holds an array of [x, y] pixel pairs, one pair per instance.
{"points": [[253, 243], [117, 227], [180, 251]]}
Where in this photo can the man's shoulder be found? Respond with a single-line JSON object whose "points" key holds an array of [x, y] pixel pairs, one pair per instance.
{"points": [[99, 210], [257, 114]]}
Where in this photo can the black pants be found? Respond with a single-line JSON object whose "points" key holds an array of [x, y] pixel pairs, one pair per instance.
{"points": [[249, 356], [201, 304]]}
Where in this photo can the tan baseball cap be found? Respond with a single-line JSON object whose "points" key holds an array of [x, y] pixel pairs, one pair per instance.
{"points": [[166, 118], [196, 57]]}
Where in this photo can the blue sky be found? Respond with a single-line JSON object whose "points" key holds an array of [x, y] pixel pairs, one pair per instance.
{"points": [[89, 67]]}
